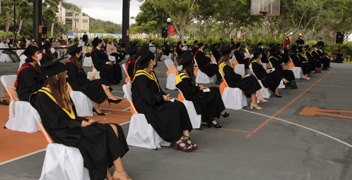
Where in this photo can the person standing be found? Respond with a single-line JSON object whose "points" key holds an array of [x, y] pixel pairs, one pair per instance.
{"points": [[320, 42], [300, 43]]}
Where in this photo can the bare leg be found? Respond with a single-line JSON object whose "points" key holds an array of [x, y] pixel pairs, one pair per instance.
{"points": [[108, 175], [119, 172], [277, 91], [97, 108], [259, 94], [108, 93], [254, 99], [115, 129]]}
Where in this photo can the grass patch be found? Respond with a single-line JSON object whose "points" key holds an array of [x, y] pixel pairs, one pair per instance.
{"points": [[347, 62]]}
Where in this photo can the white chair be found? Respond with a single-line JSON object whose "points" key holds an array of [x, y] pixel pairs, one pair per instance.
{"points": [[87, 61], [202, 78], [196, 120], [62, 162], [128, 79], [297, 71], [233, 98], [171, 74], [266, 93], [5, 58], [265, 65], [22, 116], [240, 69], [164, 57], [140, 132], [84, 106]]}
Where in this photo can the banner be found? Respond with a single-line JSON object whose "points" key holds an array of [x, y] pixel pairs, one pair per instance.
{"points": [[239, 34], [171, 30]]}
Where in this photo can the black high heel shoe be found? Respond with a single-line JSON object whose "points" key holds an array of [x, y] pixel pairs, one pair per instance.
{"points": [[278, 96], [101, 114], [210, 124], [114, 101], [225, 115]]}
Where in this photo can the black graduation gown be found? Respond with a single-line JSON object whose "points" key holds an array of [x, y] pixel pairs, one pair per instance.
{"points": [[29, 81], [130, 69], [166, 50], [168, 119], [248, 85], [107, 72], [216, 55], [204, 65], [194, 50], [45, 58], [322, 56], [321, 59], [285, 56], [298, 63], [313, 63], [209, 104], [97, 143], [287, 74], [179, 52], [271, 80], [264, 57], [240, 59], [79, 82]]}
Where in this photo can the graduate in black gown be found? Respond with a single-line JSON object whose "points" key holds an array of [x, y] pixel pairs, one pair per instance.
{"points": [[303, 64], [264, 55], [130, 65], [108, 70], [48, 53], [195, 48], [269, 79], [179, 49], [169, 119], [249, 85], [30, 77], [96, 90], [217, 57], [209, 104], [204, 63], [315, 65], [287, 75], [322, 60], [320, 51], [241, 59], [101, 145]]}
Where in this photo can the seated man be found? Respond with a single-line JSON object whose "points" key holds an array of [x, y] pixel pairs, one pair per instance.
{"points": [[204, 62]]}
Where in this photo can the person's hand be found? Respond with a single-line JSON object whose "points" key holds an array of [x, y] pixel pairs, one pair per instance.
{"points": [[242, 76], [268, 71], [92, 78], [110, 63], [201, 87], [166, 97]]}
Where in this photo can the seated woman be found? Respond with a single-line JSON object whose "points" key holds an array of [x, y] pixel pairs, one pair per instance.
{"points": [[239, 54], [249, 85], [29, 77], [179, 49], [209, 104], [97, 90], [270, 79], [108, 70], [101, 145], [169, 119], [204, 63], [287, 75], [85, 49], [130, 65], [315, 64], [296, 60], [49, 53]]}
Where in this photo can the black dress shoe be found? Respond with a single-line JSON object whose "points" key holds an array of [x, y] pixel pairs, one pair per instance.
{"points": [[101, 114], [278, 96]]}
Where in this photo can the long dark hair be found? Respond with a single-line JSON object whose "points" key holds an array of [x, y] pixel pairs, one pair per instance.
{"points": [[146, 63], [190, 71], [76, 62], [224, 58], [58, 90], [48, 52]]}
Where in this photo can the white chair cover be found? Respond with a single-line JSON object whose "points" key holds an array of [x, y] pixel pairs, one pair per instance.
{"points": [[22, 60], [281, 85], [170, 81], [84, 106], [202, 78], [266, 93], [140, 133], [22, 116], [179, 68], [87, 62], [298, 72], [234, 98], [233, 59], [240, 69], [5, 58], [196, 120], [265, 65], [63, 163]]}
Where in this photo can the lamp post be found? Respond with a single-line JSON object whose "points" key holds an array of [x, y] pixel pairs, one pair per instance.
{"points": [[168, 20], [230, 28]]}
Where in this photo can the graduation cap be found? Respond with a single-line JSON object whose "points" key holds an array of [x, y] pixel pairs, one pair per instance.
{"points": [[257, 52], [96, 41], [225, 50], [306, 46], [271, 45], [74, 49], [294, 49], [215, 44], [278, 45], [260, 44], [314, 45], [200, 44], [132, 50], [272, 50], [85, 38], [185, 59], [195, 42], [144, 55], [238, 45], [53, 67], [30, 51], [47, 45]]}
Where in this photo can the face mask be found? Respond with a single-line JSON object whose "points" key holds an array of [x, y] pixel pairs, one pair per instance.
{"points": [[56, 40], [8, 41], [319, 40], [167, 43], [262, 47], [39, 57], [286, 38], [33, 40], [52, 50]]}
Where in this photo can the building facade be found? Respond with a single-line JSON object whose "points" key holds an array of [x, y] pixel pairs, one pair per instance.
{"points": [[75, 20]]}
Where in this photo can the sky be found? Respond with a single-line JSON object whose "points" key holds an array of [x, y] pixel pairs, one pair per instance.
{"points": [[106, 10]]}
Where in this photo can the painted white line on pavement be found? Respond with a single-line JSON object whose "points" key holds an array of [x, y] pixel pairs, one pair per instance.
{"points": [[14, 159], [310, 129]]}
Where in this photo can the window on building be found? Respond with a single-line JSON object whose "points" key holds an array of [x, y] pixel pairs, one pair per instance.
{"points": [[76, 20], [85, 21]]}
